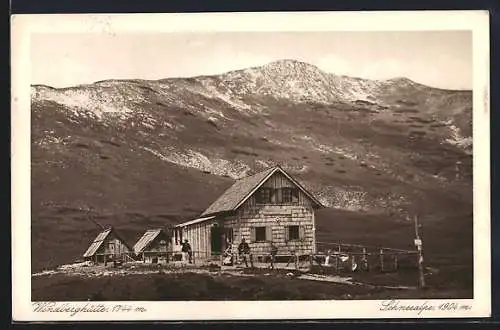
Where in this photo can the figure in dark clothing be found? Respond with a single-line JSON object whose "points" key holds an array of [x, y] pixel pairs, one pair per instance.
{"points": [[244, 252], [187, 251], [274, 252]]}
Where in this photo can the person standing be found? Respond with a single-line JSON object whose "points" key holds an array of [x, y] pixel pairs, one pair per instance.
{"points": [[274, 252], [187, 252], [328, 257], [244, 252]]}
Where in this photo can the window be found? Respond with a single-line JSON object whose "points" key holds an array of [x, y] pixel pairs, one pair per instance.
{"points": [[290, 195], [294, 233], [286, 195], [229, 235], [261, 234], [277, 196], [263, 196]]}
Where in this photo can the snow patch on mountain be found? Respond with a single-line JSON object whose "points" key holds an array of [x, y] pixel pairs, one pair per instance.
{"points": [[326, 149], [457, 139], [212, 92], [84, 101], [194, 159], [356, 199], [264, 163], [351, 200], [50, 139]]}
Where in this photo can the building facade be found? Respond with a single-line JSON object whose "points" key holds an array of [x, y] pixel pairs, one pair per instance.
{"points": [[267, 207], [108, 246], [153, 247]]}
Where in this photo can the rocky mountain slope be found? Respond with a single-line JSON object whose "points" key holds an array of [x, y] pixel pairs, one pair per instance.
{"points": [[136, 153]]}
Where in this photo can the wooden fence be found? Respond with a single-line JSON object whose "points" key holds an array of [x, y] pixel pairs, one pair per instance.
{"points": [[333, 257], [353, 257], [336, 257]]}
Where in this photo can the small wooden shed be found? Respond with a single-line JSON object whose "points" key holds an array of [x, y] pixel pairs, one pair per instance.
{"points": [[153, 247], [269, 206], [108, 246]]}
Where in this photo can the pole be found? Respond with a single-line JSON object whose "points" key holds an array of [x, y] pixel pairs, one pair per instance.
{"points": [[382, 260], [420, 256], [365, 260], [337, 259]]}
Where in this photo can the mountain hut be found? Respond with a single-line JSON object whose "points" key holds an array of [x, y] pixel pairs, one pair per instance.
{"points": [[269, 206], [107, 246], [153, 247]]}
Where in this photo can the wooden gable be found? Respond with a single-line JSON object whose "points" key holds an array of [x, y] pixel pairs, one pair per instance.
{"points": [[275, 184]]}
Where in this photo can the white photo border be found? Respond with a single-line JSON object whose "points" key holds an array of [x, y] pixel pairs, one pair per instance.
{"points": [[23, 26]]}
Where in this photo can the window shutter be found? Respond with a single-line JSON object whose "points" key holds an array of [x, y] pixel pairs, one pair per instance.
{"points": [[287, 234], [302, 232], [252, 234], [269, 233]]}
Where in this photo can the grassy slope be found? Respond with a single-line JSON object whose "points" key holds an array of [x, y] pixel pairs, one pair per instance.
{"points": [[103, 168]]}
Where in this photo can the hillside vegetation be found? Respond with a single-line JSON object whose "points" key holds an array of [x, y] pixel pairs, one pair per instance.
{"points": [[138, 154]]}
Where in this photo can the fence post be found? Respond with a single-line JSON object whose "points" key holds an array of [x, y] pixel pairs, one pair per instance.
{"points": [[337, 259], [381, 260], [365, 260]]}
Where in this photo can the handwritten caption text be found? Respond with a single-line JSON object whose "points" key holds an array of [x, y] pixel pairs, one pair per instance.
{"points": [[426, 306], [74, 308]]}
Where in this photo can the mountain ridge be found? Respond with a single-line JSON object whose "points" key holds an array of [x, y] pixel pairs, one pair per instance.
{"points": [[255, 67]]}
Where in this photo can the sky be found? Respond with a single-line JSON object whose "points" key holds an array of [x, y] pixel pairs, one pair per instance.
{"points": [[440, 59]]}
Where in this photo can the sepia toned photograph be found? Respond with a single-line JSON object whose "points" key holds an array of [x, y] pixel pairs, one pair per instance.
{"points": [[265, 165]]}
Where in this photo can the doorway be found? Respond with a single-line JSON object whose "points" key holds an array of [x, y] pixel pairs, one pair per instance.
{"points": [[216, 239]]}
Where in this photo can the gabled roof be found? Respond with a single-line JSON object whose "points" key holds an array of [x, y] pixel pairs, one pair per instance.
{"points": [[146, 239], [242, 189], [96, 244]]}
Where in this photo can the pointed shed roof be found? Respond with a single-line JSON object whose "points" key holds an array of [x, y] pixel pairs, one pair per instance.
{"points": [[242, 189], [96, 244], [146, 239]]}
